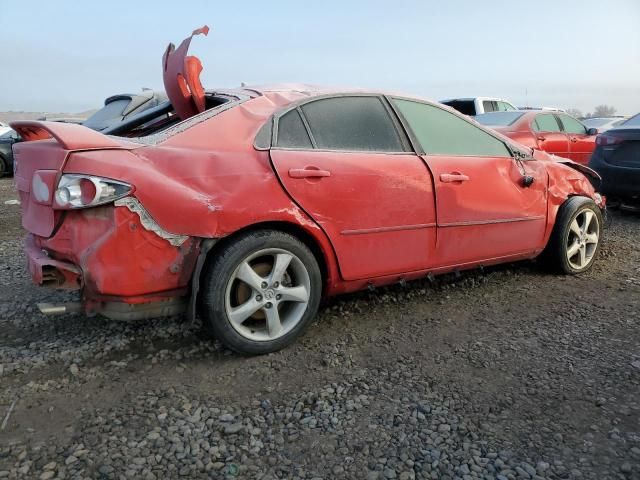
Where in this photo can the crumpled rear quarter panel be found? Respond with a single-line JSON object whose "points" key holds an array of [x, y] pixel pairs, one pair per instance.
{"points": [[118, 257]]}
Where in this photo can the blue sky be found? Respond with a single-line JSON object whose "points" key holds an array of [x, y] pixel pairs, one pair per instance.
{"points": [[69, 55]]}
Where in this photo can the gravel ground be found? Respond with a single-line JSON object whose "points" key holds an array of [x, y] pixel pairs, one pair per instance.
{"points": [[508, 373]]}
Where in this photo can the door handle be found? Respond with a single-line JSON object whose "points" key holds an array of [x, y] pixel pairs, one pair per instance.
{"points": [[308, 172], [573, 139], [453, 177], [542, 139]]}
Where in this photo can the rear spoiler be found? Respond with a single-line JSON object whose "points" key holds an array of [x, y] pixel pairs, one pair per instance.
{"points": [[70, 136]]}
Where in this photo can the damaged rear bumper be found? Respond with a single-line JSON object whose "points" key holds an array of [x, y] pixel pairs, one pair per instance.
{"points": [[124, 264]]}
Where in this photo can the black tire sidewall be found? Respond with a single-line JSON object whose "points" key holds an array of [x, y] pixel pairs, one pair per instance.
{"points": [[221, 266]]}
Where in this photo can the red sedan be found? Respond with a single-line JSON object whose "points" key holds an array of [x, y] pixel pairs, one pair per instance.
{"points": [[557, 133], [247, 206]]}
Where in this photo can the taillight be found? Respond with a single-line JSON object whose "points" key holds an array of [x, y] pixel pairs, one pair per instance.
{"points": [[82, 191], [605, 140]]}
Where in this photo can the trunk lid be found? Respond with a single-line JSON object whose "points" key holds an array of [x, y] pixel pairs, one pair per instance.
{"points": [[39, 160], [181, 76]]}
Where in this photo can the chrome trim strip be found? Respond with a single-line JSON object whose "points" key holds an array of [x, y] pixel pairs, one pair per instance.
{"points": [[397, 228], [490, 222]]}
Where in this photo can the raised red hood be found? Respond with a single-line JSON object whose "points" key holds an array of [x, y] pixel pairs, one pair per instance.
{"points": [[181, 76]]}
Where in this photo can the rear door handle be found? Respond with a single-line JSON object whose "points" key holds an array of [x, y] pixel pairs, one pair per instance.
{"points": [[453, 177], [308, 172], [541, 138], [574, 139]]}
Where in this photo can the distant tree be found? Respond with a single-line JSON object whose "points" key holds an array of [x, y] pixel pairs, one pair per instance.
{"points": [[604, 111], [574, 112]]}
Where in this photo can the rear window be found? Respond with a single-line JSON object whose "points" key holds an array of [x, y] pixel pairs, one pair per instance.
{"points": [[498, 119], [157, 119], [108, 115], [463, 106]]}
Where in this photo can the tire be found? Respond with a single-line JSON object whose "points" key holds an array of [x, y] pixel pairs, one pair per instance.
{"points": [[4, 167], [560, 254], [279, 303]]}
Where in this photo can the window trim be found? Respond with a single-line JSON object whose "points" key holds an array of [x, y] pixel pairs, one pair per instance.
{"points": [[561, 123], [297, 105], [417, 146], [558, 123]]}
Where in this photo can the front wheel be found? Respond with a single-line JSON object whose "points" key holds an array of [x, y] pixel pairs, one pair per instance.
{"points": [[576, 237], [261, 291]]}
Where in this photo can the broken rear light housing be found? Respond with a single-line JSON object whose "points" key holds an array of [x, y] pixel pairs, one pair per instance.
{"points": [[83, 191]]}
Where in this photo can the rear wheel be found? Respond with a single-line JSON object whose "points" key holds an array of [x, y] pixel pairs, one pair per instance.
{"points": [[261, 291], [4, 167], [576, 237]]}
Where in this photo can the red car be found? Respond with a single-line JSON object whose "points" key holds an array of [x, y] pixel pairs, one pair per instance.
{"points": [[556, 133], [247, 206]]}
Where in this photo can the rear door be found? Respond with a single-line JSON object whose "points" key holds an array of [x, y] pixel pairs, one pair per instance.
{"points": [[581, 144], [549, 135], [347, 163], [484, 210]]}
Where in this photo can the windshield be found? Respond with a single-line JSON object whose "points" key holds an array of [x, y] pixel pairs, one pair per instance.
{"points": [[633, 121], [498, 119], [596, 122]]}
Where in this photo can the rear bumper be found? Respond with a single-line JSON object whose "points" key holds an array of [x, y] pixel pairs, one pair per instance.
{"points": [[617, 181], [49, 272], [113, 255]]}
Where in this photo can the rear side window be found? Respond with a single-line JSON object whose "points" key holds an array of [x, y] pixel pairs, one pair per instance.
{"points": [[489, 106], [292, 132], [443, 133], [352, 124], [571, 125], [546, 123]]}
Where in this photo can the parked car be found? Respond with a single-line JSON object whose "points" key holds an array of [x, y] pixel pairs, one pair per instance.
{"points": [[7, 139], [478, 105], [603, 123], [119, 108], [553, 132], [617, 159], [247, 206]]}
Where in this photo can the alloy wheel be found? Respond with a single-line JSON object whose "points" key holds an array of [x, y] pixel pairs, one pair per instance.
{"points": [[267, 294], [583, 237]]}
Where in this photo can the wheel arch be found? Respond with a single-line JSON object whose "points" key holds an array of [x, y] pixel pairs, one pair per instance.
{"points": [[319, 245]]}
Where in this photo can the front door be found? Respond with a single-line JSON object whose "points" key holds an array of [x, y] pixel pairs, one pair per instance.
{"points": [[581, 145], [484, 209], [348, 165], [549, 135]]}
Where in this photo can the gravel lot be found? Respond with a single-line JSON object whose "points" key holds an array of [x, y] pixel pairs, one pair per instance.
{"points": [[508, 373]]}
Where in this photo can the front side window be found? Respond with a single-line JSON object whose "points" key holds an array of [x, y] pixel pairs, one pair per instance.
{"points": [[546, 123], [505, 107], [443, 133], [571, 125], [352, 124]]}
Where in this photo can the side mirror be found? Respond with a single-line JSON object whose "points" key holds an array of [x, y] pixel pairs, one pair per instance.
{"points": [[592, 131]]}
